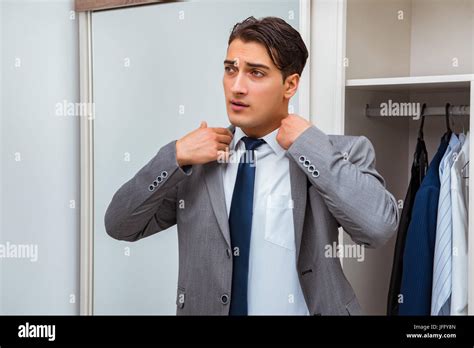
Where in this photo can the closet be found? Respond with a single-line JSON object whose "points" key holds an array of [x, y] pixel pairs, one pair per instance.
{"points": [[403, 51]]}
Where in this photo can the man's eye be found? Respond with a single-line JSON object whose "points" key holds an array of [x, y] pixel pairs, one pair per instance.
{"points": [[257, 73], [229, 69]]}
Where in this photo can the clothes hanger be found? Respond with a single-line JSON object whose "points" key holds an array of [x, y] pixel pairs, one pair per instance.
{"points": [[465, 168], [420, 130], [463, 111], [448, 133], [420, 135], [465, 171]]}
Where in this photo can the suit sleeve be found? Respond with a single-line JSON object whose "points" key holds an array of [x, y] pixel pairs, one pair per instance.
{"points": [[146, 204], [352, 189]]}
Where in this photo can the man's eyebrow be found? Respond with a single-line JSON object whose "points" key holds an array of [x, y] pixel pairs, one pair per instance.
{"points": [[257, 65], [252, 65]]}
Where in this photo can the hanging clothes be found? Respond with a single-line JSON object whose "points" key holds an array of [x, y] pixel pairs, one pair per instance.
{"points": [[418, 255], [460, 204], [442, 262], [418, 172]]}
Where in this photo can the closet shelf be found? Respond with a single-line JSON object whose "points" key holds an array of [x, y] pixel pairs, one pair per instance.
{"points": [[412, 82]]}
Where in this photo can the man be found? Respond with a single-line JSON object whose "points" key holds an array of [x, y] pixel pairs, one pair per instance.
{"points": [[257, 203]]}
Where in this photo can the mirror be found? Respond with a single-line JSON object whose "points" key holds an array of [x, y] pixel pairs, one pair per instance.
{"points": [[157, 72]]}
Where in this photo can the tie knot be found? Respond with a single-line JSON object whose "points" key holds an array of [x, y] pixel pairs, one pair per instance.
{"points": [[252, 143]]}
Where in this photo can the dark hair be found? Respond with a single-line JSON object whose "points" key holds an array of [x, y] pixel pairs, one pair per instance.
{"points": [[283, 43]]}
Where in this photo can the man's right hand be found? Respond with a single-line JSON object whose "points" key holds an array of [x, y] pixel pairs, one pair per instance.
{"points": [[203, 145]]}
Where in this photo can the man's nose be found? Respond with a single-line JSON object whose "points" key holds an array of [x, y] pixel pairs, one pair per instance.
{"points": [[239, 85]]}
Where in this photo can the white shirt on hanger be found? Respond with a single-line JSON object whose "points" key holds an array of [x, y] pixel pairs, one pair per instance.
{"points": [[442, 263], [459, 202]]}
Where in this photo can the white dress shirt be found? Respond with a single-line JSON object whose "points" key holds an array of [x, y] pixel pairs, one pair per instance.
{"points": [[459, 199], [273, 284], [442, 263]]}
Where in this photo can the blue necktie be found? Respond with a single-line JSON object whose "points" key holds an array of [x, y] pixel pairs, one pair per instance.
{"points": [[240, 224]]}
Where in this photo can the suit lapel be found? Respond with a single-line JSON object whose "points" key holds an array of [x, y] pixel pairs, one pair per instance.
{"points": [[299, 187], [215, 186]]}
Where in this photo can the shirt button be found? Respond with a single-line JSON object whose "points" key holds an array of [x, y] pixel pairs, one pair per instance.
{"points": [[224, 299]]}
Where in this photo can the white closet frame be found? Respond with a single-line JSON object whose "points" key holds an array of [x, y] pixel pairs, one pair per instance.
{"points": [[470, 266], [87, 142]]}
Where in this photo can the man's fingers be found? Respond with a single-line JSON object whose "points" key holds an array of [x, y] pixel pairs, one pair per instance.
{"points": [[223, 131], [203, 124], [222, 146], [226, 139]]}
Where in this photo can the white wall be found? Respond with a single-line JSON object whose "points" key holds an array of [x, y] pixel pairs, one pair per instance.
{"points": [[39, 173]]}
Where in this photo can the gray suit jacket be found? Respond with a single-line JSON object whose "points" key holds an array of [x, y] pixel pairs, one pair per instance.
{"points": [[333, 183]]}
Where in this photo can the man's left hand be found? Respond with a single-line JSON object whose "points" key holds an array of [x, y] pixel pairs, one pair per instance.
{"points": [[291, 128]]}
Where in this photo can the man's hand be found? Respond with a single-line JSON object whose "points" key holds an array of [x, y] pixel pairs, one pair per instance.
{"points": [[203, 145], [291, 128]]}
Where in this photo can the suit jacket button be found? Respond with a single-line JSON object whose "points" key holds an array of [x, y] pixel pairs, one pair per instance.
{"points": [[225, 299]]}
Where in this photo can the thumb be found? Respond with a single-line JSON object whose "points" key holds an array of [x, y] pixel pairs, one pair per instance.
{"points": [[203, 124]]}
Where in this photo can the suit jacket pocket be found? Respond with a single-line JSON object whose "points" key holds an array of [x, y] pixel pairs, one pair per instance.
{"points": [[279, 227]]}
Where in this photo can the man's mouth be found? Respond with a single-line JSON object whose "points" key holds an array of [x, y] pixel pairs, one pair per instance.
{"points": [[238, 105]]}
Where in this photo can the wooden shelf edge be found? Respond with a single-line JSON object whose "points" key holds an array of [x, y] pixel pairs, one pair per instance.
{"points": [[94, 5]]}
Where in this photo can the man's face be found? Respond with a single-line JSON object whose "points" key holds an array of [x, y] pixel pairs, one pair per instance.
{"points": [[251, 78]]}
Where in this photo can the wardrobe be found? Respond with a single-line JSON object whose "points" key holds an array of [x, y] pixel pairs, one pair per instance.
{"points": [[396, 51]]}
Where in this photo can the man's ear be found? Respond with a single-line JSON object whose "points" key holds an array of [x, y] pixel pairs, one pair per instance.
{"points": [[291, 85]]}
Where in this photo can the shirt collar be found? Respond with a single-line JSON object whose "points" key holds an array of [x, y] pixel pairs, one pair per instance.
{"points": [[270, 139]]}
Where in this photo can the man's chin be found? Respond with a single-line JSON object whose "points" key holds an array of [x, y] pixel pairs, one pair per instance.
{"points": [[241, 121]]}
